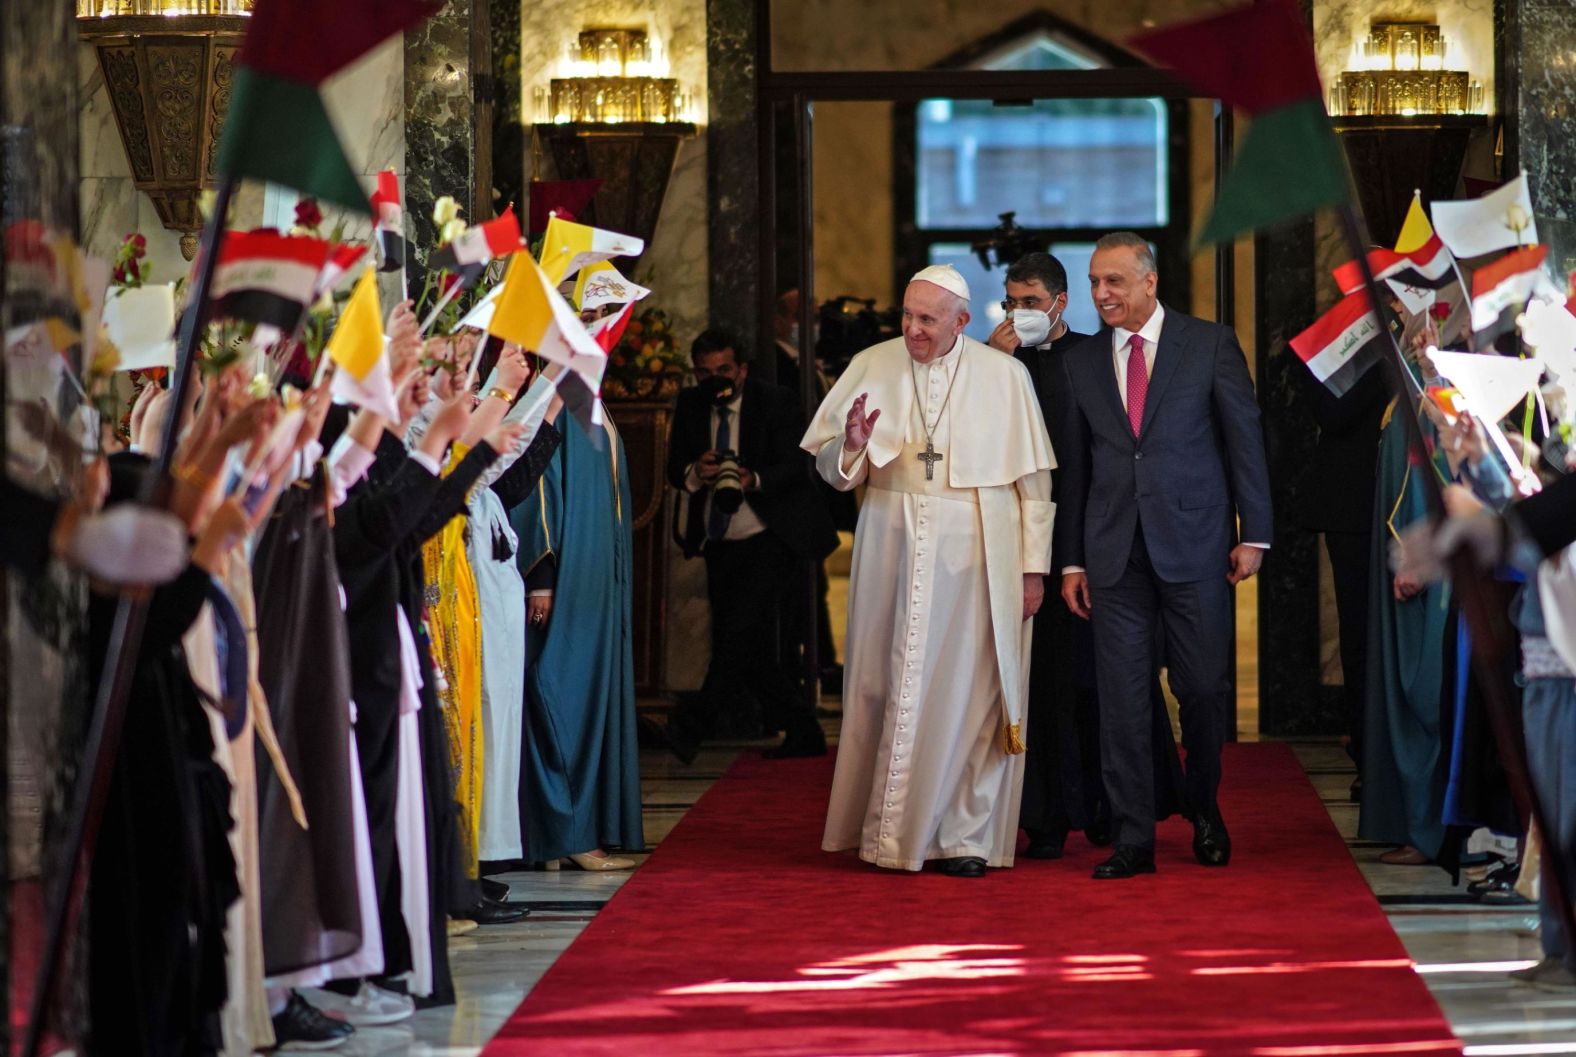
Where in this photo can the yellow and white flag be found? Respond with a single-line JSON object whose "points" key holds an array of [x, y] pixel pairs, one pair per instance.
{"points": [[602, 284], [357, 342], [567, 247]]}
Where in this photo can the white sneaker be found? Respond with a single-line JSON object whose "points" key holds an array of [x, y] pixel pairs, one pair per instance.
{"points": [[373, 1006]]}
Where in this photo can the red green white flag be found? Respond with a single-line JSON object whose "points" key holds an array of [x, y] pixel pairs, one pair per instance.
{"points": [[277, 128], [1259, 59]]}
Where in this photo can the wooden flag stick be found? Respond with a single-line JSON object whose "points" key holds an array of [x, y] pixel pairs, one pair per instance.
{"points": [[1489, 634], [90, 792]]}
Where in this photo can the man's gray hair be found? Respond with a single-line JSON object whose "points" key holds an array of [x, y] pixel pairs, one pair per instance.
{"points": [[1134, 241]]}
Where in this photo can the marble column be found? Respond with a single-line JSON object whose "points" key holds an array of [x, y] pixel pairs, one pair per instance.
{"points": [[1536, 41], [1290, 698], [440, 127], [43, 677], [732, 176], [507, 90]]}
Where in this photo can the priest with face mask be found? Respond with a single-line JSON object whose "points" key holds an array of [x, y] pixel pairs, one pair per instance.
{"points": [[949, 558], [1063, 789]]}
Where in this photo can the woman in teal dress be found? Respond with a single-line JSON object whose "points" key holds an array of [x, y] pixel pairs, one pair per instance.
{"points": [[1403, 776], [580, 780]]}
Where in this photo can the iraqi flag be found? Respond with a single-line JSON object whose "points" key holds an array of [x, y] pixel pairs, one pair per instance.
{"points": [[389, 222], [479, 245], [266, 277], [342, 257], [1345, 342], [1500, 289]]}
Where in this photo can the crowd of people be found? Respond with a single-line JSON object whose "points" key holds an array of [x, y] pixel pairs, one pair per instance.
{"points": [[384, 661]]}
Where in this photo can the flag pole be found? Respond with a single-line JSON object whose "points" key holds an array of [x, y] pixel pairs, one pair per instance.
{"points": [[1489, 634], [90, 792]]}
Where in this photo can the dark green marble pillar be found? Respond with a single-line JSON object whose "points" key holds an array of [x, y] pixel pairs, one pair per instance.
{"points": [[1290, 700], [1538, 102], [440, 123], [731, 172]]}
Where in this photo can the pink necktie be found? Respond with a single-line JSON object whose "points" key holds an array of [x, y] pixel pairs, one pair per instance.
{"points": [[1137, 382]]}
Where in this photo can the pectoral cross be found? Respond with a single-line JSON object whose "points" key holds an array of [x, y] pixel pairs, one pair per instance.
{"points": [[930, 456]]}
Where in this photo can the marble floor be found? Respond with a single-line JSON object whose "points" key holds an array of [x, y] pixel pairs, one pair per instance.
{"points": [[1461, 948]]}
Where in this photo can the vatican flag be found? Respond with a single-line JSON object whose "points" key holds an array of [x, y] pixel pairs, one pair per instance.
{"points": [[357, 341], [567, 247]]}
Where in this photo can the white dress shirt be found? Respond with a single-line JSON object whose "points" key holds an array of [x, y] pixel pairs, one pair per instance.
{"points": [[1121, 351], [745, 521]]}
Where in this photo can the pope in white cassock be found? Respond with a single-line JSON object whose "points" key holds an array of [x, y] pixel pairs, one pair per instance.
{"points": [[953, 540]]}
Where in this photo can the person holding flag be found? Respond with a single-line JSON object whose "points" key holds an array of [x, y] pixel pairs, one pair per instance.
{"points": [[580, 786]]}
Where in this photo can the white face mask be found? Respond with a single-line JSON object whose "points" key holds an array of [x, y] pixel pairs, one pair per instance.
{"points": [[1031, 325]]}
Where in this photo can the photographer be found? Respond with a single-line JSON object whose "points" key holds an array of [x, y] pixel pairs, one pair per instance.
{"points": [[756, 520]]}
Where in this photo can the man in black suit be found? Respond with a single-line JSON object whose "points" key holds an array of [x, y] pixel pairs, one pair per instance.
{"points": [[1162, 454], [756, 551]]}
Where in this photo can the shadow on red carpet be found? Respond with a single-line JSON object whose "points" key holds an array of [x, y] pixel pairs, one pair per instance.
{"points": [[741, 937]]}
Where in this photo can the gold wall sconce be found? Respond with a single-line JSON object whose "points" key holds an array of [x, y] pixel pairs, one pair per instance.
{"points": [[613, 76], [1400, 68]]}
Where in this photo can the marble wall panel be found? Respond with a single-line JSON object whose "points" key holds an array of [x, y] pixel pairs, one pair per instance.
{"points": [[439, 118], [1547, 116]]}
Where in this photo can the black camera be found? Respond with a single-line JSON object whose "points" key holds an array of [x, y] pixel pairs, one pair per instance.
{"points": [[848, 326], [727, 491]]}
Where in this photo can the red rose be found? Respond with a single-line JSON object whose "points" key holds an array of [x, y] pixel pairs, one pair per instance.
{"points": [[307, 214], [449, 281], [1440, 310], [119, 274], [141, 242]]}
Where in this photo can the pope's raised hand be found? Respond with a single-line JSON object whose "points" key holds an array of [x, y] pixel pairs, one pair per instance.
{"points": [[860, 426]]}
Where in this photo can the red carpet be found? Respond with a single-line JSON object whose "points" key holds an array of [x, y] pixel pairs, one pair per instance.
{"points": [[740, 937]]}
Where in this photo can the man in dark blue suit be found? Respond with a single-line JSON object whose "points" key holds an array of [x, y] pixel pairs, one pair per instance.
{"points": [[1162, 454]]}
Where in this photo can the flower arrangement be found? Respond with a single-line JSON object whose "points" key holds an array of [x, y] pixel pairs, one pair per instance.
{"points": [[647, 363]]}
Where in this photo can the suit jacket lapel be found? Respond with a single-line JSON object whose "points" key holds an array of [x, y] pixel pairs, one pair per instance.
{"points": [[1106, 366], [1167, 355]]}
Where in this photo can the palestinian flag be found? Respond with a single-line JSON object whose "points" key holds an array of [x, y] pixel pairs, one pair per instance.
{"points": [[1345, 342], [265, 277], [388, 216], [1259, 59], [277, 129], [1506, 284], [478, 245]]}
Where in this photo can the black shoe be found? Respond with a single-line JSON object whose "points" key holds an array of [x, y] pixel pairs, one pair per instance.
{"points": [[1046, 844], [300, 1026], [490, 912], [1129, 860], [495, 890], [832, 680], [966, 866], [1211, 842], [681, 742], [1099, 831], [797, 745]]}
